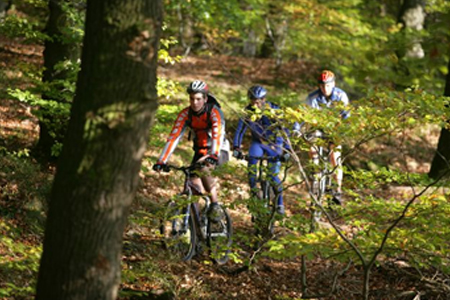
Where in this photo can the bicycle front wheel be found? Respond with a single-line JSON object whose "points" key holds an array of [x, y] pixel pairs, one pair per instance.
{"points": [[219, 237], [178, 232]]}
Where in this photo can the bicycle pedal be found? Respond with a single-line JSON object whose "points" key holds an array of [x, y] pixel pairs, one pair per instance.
{"points": [[218, 234], [199, 249], [216, 228]]}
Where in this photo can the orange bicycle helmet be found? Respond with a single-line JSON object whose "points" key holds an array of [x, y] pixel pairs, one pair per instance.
{"points": [[326, 76]]}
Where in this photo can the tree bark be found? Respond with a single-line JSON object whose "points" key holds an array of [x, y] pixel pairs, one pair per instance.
{"points": [[57, 49], [4, 7], [97, 174], [276, 32], [250, 45], [441, 160], [412, 15]]}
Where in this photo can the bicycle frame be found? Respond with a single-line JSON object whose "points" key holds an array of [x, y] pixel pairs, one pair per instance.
{"points": [[190, 189], [265, 221], [265, 183], [323, 176]]}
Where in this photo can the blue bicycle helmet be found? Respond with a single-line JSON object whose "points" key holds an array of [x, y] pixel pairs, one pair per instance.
{"points": [[256, 92]]}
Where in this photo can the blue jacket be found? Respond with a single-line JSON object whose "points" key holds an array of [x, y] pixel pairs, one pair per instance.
{"points": [[262, 130], [318, 100]]}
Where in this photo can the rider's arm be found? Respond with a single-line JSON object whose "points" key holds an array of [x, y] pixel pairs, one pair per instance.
{"points": [[344, 99], [311, 100], [239, 134], [282, 140], [296, 129], [217, 130], [286, 144], [176, 134]]}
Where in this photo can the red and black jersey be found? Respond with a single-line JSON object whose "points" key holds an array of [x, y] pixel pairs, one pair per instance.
{"points": [[207, 127]]}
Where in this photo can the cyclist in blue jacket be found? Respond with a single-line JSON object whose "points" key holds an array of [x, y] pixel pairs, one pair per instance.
{"points": [[324, 97], [266, 141]]}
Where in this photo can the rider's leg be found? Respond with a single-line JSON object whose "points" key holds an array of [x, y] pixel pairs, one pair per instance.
{"points": [[314, 154], [210, 184], [274, 170], [335, 155], [335, 159], [254, 152], [203, 181], [197, 182]]}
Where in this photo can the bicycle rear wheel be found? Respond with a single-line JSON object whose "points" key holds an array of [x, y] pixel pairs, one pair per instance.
{"points": [[178, 232], [219, 237]]}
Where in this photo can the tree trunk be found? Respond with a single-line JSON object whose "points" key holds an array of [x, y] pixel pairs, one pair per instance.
{"points": [[97, 174], [4, 7], [412, 15], [441, 160], [58, 48], [250, 45], [276, 32]]}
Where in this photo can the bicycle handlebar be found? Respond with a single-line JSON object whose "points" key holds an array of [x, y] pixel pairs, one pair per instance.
{"points": [[186, 169], [262, 158], [315, 134]]}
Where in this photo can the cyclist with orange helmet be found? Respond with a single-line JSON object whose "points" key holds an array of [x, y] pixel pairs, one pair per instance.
{"points": [[324, 97], [327, 93], [207, 123]]}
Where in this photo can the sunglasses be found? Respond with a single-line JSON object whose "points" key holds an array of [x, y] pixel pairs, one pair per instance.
{"points": [[254, 99]]}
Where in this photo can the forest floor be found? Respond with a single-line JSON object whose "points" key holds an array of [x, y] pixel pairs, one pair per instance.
{"points": [[148, 272]]}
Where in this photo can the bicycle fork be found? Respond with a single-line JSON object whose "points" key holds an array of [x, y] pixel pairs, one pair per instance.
{"points": [[181, 227]]}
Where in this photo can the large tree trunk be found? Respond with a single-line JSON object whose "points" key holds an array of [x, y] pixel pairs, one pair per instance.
{"points": [[58, 48], [441, 160], [97, 174]]}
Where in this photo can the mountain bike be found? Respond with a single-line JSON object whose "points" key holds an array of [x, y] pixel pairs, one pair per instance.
{"points": [[321, 178], [186, 227], [263, 206]]}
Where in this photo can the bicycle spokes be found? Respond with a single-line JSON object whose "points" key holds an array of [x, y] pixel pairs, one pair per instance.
{"points": [[178, 232], [219, 235]]}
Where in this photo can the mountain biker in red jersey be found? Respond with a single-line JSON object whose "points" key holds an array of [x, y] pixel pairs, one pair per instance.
{"points": [[207, 123], [324, 97]]}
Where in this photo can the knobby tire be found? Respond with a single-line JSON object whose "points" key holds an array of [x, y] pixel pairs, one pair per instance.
{"points": [[179, 235], [219, 237]]}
